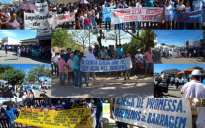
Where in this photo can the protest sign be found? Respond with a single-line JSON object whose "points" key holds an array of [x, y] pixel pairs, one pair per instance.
{"points": [[35, 53], [189, 17], [145, 14], [154, 113], [106, 108], [63, 18], [200, 123], [36, 20], [106, 13], [72, 118], [92, 65], [41, 7]]}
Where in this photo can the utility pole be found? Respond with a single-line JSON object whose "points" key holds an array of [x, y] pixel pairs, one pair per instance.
{"points": [[119, 38]]}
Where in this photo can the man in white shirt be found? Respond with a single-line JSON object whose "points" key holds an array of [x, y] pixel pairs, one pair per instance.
{"points": [[194, 89], [56, 59], [90, 55], [7, 14]]}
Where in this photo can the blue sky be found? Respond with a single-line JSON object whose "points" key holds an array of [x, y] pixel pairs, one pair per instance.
{"points": [[5, 1], [26, 67], [158, 68], [18, 34], [177, 37]]}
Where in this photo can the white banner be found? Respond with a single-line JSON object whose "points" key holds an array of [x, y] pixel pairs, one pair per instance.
{"points": [[62, 18], [154, 113], [37, 20], [92, 65], [41, 7], [145, 14]]}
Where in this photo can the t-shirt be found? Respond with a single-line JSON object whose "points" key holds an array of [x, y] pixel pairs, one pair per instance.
{"points": [[67, 57], [99, 107], [119, 51], [204, 81], [7, 14], [70, 64], [66, 106], [138, 57], [13, 25], [75, 63], [197, 5], [172, 78], [148, 57], [75, 106], [188, 9], [168, 10], [56, 59], [194, 89], [11, 114], [103, 53], [59, 107], [61, 65], [181, 7], [47, 107], [110, 51]]}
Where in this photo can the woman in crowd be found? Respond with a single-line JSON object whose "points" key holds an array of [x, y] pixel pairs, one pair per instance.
{"points": [[79, 20], [13, 24], [167, 15], [180, 8], [3, 20]]}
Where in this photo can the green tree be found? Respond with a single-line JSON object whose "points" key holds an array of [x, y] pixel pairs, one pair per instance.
{"points": [[8, 102], [60, 38], [163, 44], [13, 75], [0, 3], [3, 68], [40, 70], [198, 67]]}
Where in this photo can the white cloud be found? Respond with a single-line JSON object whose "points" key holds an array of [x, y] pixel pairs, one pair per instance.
{"points": [[8, 33]]}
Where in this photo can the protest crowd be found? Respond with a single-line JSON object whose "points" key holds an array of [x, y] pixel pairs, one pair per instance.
{"points": [[43, 52], [68, 64], [24, 90], [89, 16], [184, 53]]}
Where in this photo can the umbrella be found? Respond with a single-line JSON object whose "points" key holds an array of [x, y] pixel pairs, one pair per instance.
{"points": [[12, 7], [188, 71], [83, 2], [27, 6]]}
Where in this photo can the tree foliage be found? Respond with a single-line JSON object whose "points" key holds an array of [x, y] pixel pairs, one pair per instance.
{"points": [[13, 75], [142, 42], [60, 38], [8, 103], [198, 67], [40, 70]]}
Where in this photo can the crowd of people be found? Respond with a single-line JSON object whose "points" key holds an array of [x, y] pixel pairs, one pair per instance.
{"points": [[24, 90], [184, 52], [69, 64], [43, 52], [89, 16]]}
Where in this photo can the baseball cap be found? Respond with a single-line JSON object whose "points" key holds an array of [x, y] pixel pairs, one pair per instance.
{"points": [[196, 72]]}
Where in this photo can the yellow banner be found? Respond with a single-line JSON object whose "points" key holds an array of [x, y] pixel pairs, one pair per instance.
{"points": [[72, 118]]}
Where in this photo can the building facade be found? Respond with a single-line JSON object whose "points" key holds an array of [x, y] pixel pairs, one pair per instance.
{"points": [[43, 37]]}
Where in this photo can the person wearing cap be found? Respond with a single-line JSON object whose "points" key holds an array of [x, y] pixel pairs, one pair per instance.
{"points": [[138, 58], [59, 106], [70, 69], [45, 106], [62, 65], [194, 89], [90, 55], [76, 68]]}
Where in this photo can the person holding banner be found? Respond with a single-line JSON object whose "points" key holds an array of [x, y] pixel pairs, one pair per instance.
{"points": [[180, 8], [90, 55], [197, 5], [11, 116], [167, 14], [83, 74]]}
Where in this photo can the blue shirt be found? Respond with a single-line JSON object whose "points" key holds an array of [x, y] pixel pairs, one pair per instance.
{"points": [[67, 107], [149, 3], [75, 63], [119, 51], [5, 85], [11, 114], [109, 51], [66, 57], [195, 3], [99, 107], [204, 81]]}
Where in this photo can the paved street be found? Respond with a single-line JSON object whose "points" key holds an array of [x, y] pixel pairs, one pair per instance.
{"points": [[173, 92], [12, 59], [105, 87], [176, 60]]}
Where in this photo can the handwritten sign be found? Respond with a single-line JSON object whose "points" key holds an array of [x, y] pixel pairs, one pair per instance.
{"points": [[145, 14], [92, 65], [35, 53], [42, 7], [154, 113], [36, 20], [72, 118]]}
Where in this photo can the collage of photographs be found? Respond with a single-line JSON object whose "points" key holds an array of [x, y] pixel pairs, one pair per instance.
{"points": [[102, 64]]}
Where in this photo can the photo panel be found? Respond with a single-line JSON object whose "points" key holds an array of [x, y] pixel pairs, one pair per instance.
{"points": [[102, 63]]}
